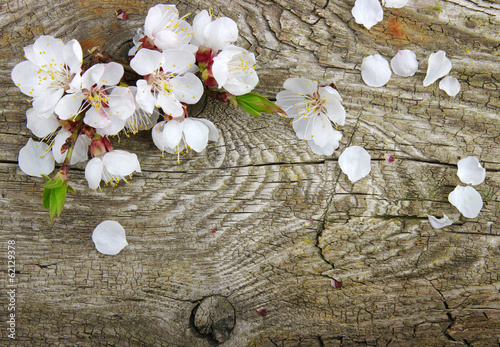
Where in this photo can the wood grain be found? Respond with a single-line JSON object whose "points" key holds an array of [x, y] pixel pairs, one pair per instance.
{"points": [[287, 222]]}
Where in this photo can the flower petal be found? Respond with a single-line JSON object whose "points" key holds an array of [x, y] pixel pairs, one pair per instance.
{"points": [[172, 133], [439, 223], [109, 238], [404, 63], [69, 105], [157, 135], [170, 105], [144, 97], [195, 134], [334, 110], [59, 141], [367, 12], [35, 159], [470, 171], [147, 61], [213, 133], [121, 103], [301, 85], [121, 163], [438, 67], [220, 33], [73, 56], [112, 74], [467, 200], [41, 126], [355, 163], [375, 70], [93, 172], [450, 85], [394, 3], [93, 76], [187, 88], [96, 119], [47, 101]]}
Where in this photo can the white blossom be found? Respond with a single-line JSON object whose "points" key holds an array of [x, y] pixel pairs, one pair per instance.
{"points": [[111, 168], [233, 69], [439, 223], [404, 63], [168, 80], [375, 70], [470, 171], [312, 109], [51, 69], [450, 85], [467, 200], [215, 34], [355, 163], [35, 159], [438, 67], [109, 237], [367, 12]]}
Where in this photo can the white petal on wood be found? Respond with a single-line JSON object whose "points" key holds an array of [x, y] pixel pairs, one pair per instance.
{"points": [[467, 200], [470, 171], [404, 63], [367, 12], [450, 85], [109, 237], [394, 3], [439, 223], [438, 67], [355, 163], [375, 70]]}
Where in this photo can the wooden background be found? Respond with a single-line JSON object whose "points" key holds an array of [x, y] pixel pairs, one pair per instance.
{"points": [[287, 221]]}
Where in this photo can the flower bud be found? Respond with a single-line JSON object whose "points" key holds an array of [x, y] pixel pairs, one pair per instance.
{"points": [[99, 146], [254, 104]]}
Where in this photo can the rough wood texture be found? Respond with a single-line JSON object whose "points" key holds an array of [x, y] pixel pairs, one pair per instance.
{"points": [[287, 221]]}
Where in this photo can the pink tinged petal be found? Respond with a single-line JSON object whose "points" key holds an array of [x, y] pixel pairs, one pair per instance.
{"points": [[73, 56], [41, 126], [375, 70], [177, 61], [109, 238], [144, 97], [69, 105], [187, 88], [394, 3], [438, 67], [172, 133], [93, 172], [213, 133], [450, 85], [467, 200], [121, 163], [195, 134], [170, 105], [334, 110], [121, 103], [96, 119], [146, 61], [439, 223], [93, 76], [35, 159], [157, 135], [367, 12], [470, 171], [404, 63], [47, 101], [112, 74], [301, 85], [355, 163]]}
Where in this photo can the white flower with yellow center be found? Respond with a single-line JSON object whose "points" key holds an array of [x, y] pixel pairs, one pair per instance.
{"points": [[102, 101], [312, 109], [167, 81], [233, 69], [51, 69]]}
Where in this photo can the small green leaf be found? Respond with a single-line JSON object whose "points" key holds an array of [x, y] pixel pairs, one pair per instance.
{"points": [[70, 189], [52, 184], [249, 109], [254, 104], [46, 198], [45, 176]]}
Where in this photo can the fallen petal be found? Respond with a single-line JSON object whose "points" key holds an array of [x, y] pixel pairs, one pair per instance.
{"points": [[470, 171], [355, 163], [109, 237], [367, 12], [375, 70], [450, 85], [439, 223], [467, 200], [404, 63], [394, 3], [438, 67]]}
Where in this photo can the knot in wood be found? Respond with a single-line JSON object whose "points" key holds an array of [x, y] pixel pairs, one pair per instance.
{"points": [[214, 318]]}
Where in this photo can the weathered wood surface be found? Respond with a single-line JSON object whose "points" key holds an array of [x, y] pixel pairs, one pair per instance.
{"points": [[287, 221]]}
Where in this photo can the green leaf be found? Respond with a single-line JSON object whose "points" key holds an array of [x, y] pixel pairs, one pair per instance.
{"points": [[57, 197], [46, 198], [249, 109], [254, 104], [52, 184], [70, 189], [45, 176]]}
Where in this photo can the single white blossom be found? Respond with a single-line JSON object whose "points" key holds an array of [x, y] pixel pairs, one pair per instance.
{"points": [[404, 63], [355, 163], [167, 82], [109, 237], [80, 150], [375, 70], [36, 159], [163, 29], [215, 34], [102, 101], [450, 85], [51, 69], [367, 12], [470, 171], [439, 223], [438, 67], [111, 168], [312, 109], [394, 3], [177, 134], [233, 69], [467, 200]]}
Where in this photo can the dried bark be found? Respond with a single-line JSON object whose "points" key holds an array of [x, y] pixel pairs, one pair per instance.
{"points": [[287, 222]]}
